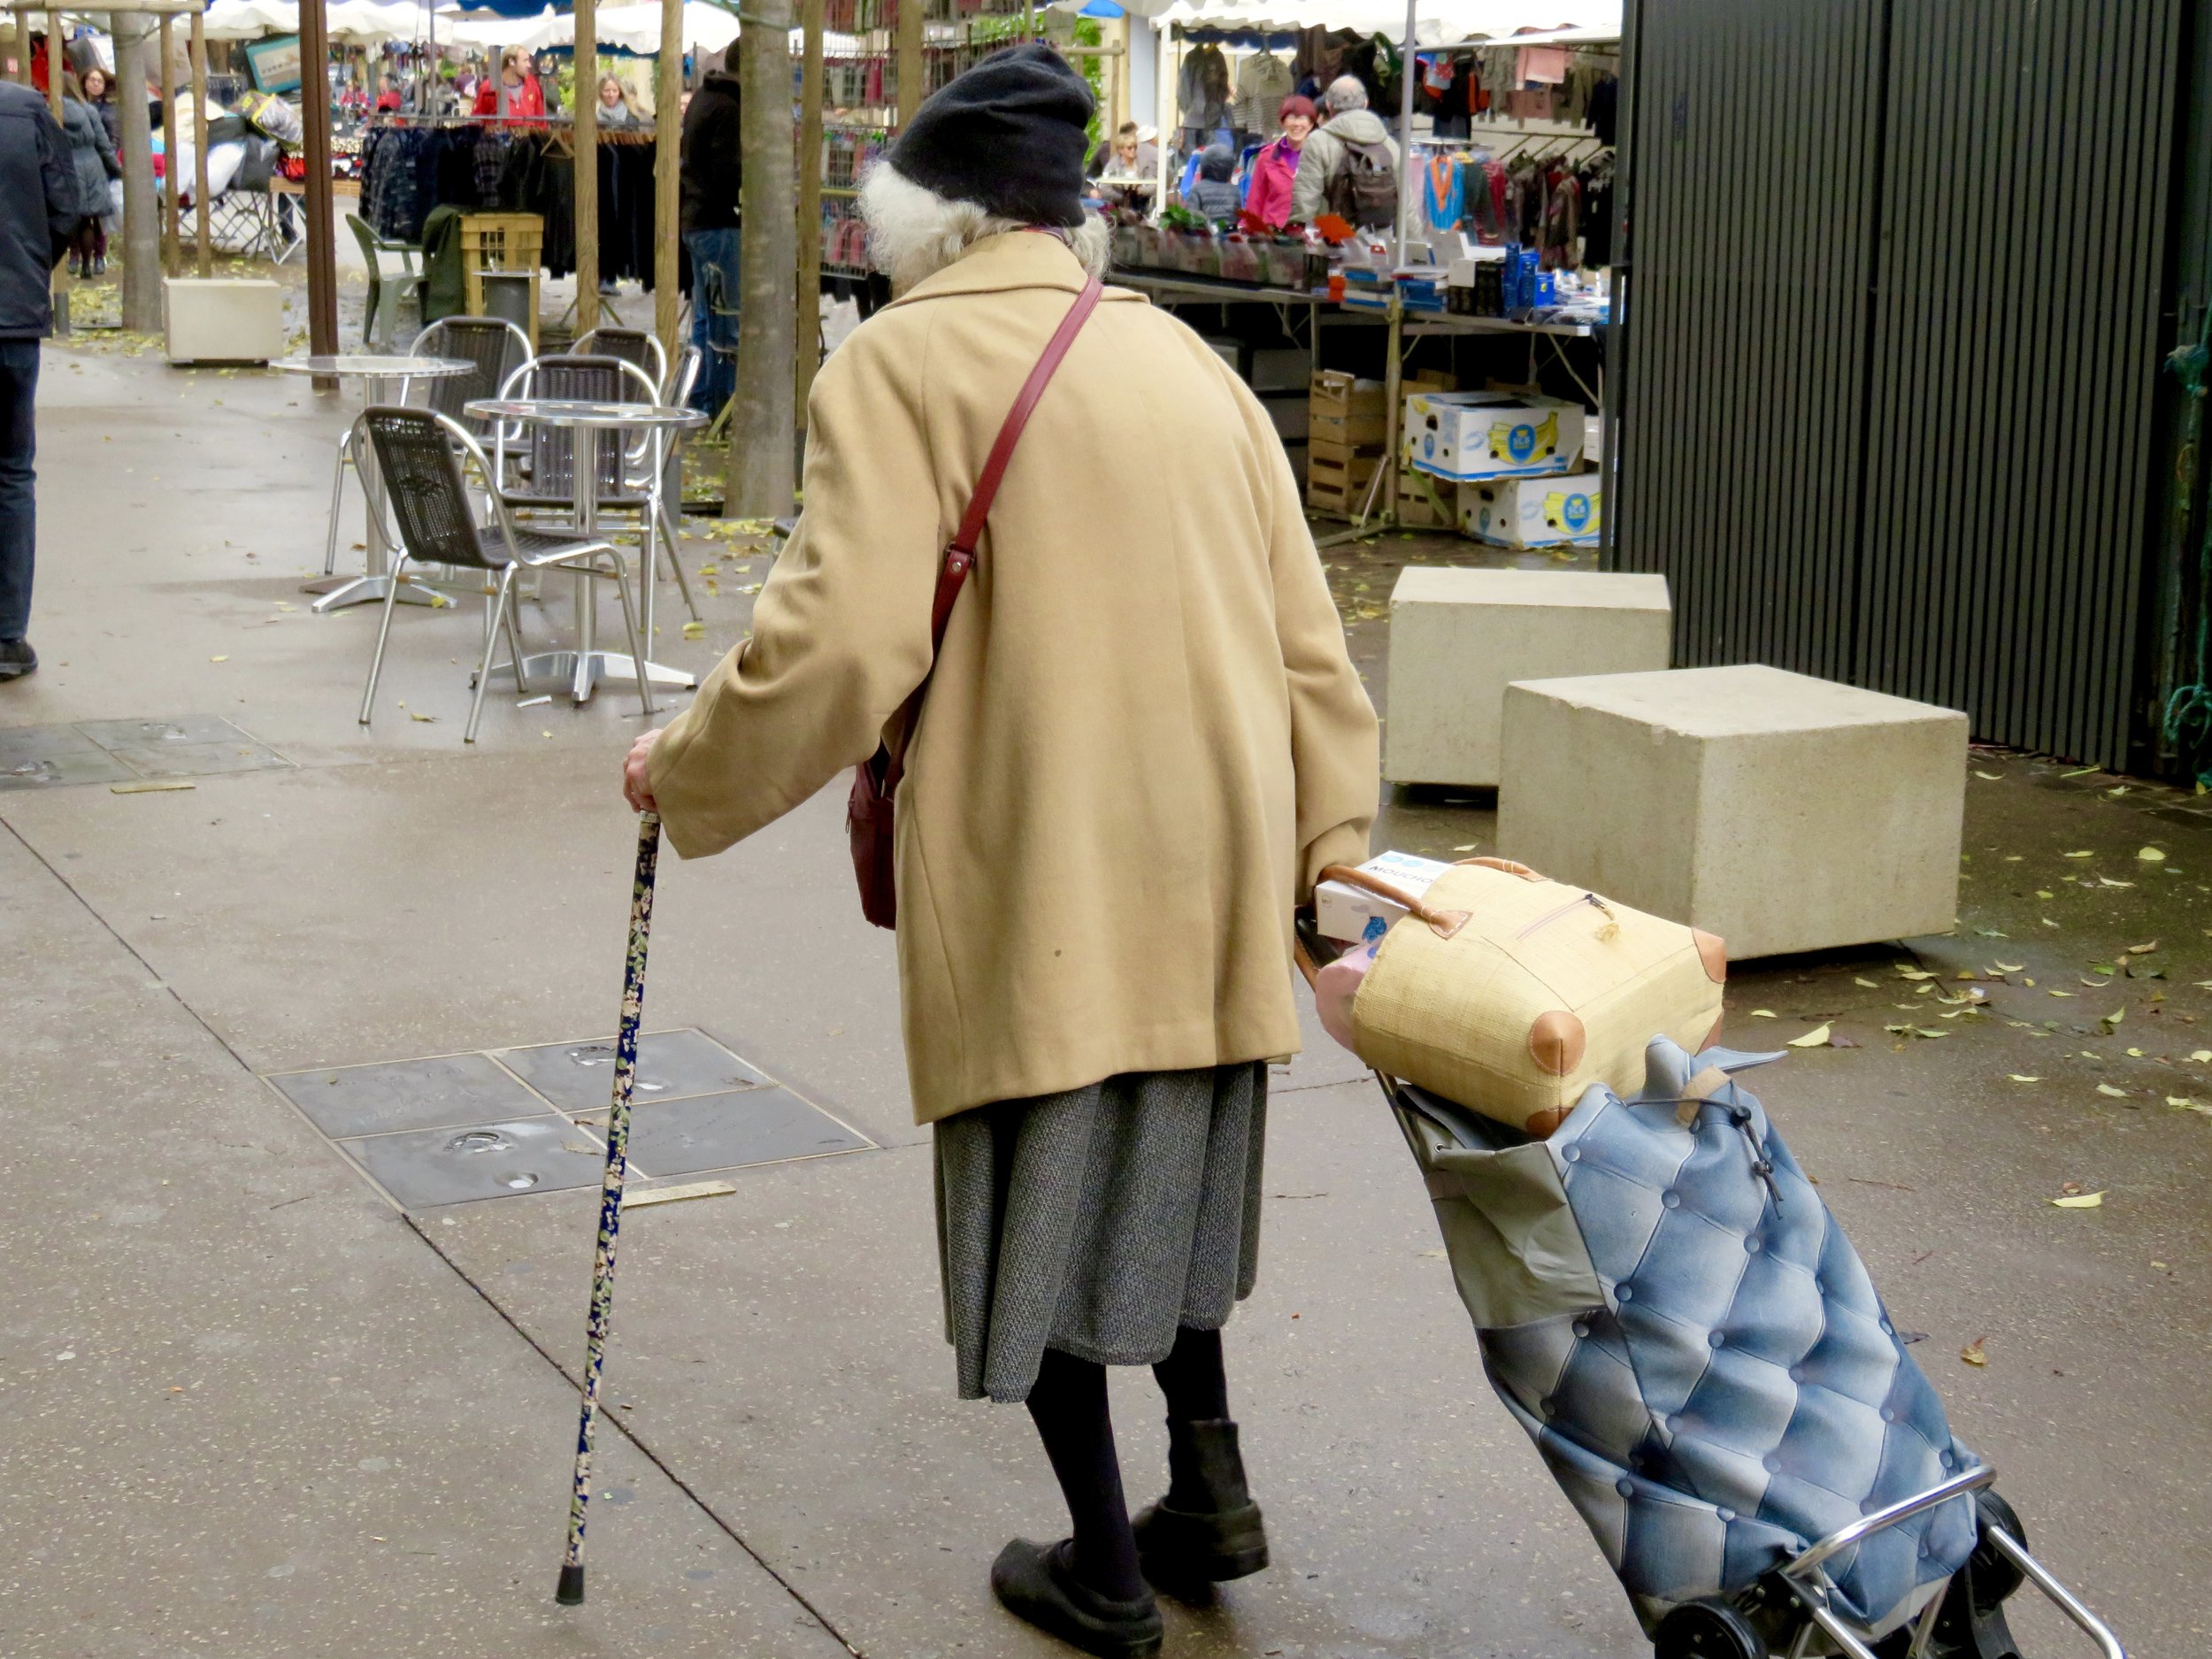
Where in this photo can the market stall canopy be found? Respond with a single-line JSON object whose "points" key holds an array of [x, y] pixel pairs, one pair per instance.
{"points": [[635, 28], [1441, 22], [251, 19]]}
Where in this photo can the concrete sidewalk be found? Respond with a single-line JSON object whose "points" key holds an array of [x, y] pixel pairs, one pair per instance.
{"points": [[262, 1408]]}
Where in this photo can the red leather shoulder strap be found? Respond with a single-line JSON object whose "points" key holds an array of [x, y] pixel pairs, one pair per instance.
{"points": [[971, 529]]}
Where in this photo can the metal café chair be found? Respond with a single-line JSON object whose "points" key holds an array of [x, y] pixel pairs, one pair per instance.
{"points": [[631, 345], [419, 454], [489, 343], [683, 374]]}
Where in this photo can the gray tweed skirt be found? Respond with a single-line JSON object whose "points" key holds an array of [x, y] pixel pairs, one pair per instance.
{"points": [[1098, 1221]]}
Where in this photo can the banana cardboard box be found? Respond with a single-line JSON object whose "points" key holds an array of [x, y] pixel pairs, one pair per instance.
{"points": [[1533, 511], [1467, 436]]}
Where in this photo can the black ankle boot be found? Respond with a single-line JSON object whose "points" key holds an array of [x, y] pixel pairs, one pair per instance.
{"points": [[1034, 1582], [1207, 1529]]}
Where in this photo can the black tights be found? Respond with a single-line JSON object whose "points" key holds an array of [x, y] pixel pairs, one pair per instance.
{"points": [[1068, 1405]]}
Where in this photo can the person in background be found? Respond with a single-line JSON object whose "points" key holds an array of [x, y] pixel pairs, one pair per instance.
{"points": [[100, 96], [1127, 169], [1276, 167], [1328, 156], [95, 163], [549, 82], [616, 113], [1104, 824], [711, 173], [38, 216], [1211, 194], [514, 93], [388, 99]]}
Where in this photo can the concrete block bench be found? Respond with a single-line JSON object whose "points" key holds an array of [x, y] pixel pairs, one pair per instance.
{"points": [[1459, 637], [1782, 812]]}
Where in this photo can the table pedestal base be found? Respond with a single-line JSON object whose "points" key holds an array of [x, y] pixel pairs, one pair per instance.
{"points": [[361, 590], [580, 672]]}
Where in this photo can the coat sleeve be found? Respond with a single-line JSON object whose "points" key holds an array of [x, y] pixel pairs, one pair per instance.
{"points": [[840, 630], [59, 173], [1335, 745], [1310, 182]]}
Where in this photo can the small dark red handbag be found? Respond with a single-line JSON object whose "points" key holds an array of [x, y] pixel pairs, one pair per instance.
{"points": [[869, 812]]}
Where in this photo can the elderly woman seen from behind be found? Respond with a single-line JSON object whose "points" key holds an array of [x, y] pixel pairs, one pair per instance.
{"points": [[1142, 741]]}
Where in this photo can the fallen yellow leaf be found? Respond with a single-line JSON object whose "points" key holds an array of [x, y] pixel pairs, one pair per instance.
{"points": [[2081, 1201], [2020, 1076], [1972, 1352], [695, 630], [1913, 974], [2116, 1094], [1764, 1013], [2152, 856], [2088, 854], [225, 657], [1869, 984], [1817, 1038]]}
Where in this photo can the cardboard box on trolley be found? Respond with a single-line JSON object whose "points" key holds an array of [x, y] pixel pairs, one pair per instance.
{"points": [[1468, 435]]}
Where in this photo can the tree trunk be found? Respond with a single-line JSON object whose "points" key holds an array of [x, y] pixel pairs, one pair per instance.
{"points": [[141, 228], [762, 420]]}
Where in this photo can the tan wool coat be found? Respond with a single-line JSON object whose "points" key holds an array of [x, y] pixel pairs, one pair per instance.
{"points": [[1143, 737]]}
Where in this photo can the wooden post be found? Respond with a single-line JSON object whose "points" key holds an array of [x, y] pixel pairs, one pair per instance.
{"points": [[322, 252], [907, 63], [807, 345], [668, 101], [22, 47], [171, 261], [141, 232], [202, 232], [763, 430], [587, 61]]}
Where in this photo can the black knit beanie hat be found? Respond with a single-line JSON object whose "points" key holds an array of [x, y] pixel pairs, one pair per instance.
{"points": [[1009, 135]]}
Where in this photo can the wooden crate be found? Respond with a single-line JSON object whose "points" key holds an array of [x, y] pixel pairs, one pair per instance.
{"points": [[1338, 476], [1426, 503], [509, 242]]}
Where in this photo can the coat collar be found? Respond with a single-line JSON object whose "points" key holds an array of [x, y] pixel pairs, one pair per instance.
{"points": [[1012, 259]]}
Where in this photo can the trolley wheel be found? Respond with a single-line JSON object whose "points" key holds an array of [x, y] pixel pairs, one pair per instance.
{"points": [[1994, 1575], [1707, 1630]]}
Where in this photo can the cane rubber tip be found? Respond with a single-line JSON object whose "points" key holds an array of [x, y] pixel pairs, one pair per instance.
{"points": [[571, 1592]]}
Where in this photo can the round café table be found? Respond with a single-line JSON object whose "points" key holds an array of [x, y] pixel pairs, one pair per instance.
{"points": [[591, 425], [384, 378]]}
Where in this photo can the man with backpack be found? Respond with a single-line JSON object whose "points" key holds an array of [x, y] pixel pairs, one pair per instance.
{"points": [[1349, 166]]}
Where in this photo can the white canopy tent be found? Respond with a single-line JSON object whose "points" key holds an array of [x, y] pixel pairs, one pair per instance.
{"points": [[1437, 22], [635, 27]]}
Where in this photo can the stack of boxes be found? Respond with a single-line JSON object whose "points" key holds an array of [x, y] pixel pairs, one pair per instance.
{"points": [[1346, 429], [1509, 464]]}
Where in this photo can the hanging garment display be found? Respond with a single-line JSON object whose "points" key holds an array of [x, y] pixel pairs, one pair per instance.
{"points": [[1263, 80]]}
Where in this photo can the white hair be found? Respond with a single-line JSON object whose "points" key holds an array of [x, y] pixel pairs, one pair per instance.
{"points": [[1345, 93], [914, 232]]}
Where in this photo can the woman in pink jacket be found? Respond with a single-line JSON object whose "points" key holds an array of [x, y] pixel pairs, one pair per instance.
{"points": [[1277, 164]]}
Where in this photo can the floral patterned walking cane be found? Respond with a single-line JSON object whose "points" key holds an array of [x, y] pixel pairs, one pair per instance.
{"points": [[571, 1592]]}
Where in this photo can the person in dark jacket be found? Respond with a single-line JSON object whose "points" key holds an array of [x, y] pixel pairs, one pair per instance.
{"points": [[712, 171], [93, 160], [1211, 194], [38, 215]]}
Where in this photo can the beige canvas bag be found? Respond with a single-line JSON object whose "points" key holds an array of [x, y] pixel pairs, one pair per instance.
{"points": [[1511, 995]]}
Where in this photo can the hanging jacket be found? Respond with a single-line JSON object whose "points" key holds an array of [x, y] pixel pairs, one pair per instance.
{"points": [[1272, 175]]}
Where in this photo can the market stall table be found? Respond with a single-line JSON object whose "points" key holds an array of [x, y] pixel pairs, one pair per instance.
{"points": [[591, 423], [384, 379]]}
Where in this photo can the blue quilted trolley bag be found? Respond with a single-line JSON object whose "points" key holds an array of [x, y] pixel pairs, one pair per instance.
{"points": [[1667, 1307]]}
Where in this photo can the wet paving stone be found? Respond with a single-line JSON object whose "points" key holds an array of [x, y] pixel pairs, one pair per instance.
{"points": [[117, 751], [720, 1132], [447, 1091], [427, 1168], [578, 1077]]}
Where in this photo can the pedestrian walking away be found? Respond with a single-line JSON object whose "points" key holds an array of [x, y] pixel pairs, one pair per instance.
{"points": [[710, 177], [38, 217], [1141, 739]]}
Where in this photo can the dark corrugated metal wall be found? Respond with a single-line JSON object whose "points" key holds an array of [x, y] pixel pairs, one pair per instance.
{"points": [[1892, 342]]}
